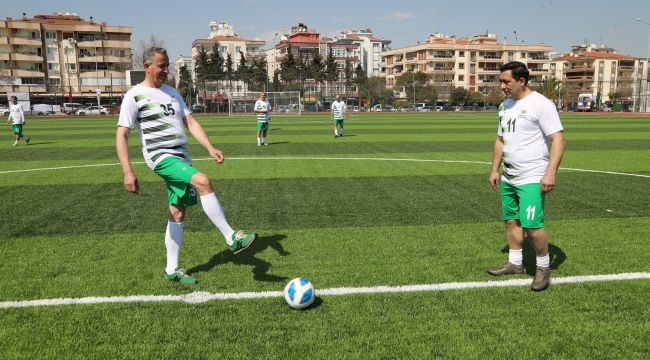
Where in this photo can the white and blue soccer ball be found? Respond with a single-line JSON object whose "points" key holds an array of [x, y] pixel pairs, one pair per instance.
{"points": [[299, 293]]}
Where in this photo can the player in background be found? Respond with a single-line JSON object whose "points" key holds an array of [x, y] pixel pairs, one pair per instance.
{"points": [[339, 111], [17, 120], [160, 115], [261, 110], [528, 122]]}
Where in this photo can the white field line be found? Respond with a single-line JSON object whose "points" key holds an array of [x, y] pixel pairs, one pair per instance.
{"points": [[321, 158], [201, 297]]}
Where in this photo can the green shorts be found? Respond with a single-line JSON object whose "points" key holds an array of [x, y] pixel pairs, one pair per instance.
{"points": [[338, 122], [262, 126], [524, 203], [177, 175], [17, 129]]}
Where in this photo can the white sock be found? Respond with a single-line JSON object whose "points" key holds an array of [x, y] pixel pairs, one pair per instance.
{"points": [[336, 132], [341, 131], [214, 211], [263, 140], [516, 257], [543, 261], [173, 242], [259, 141]]}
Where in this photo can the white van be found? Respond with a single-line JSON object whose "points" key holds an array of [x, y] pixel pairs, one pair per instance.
{"points": [[71, 108]]}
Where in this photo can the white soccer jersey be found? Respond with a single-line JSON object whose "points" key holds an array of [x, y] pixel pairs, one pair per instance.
{"points": [[338, 109], [158, 114], [262, 105], [525, 125], [16, 114]]}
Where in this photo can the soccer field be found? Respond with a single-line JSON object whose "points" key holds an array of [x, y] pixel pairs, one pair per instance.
{"points": [[401, 200]]}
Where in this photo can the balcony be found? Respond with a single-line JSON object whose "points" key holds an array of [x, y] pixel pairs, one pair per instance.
{"points": [[89, 44], [27, 73], [4, 56], [26, 57], [17, 40], [490, 70], [117, 59], [5, 72]]}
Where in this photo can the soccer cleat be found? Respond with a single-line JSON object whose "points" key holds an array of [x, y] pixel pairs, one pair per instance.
{"points": [[16, 143], [266, 144], [241, 240], [507, 269], [27, 141], [336, 135], [542, 279], [181, 277], [340, 135]]}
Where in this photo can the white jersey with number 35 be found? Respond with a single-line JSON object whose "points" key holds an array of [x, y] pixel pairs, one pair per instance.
{"points": [[525, 125]]}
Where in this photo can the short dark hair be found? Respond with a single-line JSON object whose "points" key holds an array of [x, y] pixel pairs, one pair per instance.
{"points": [[518, 70]]}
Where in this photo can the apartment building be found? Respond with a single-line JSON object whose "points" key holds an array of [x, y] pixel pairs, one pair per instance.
{"points": [[370, 48], [228, 43], [472, 63], [304, 42], [602, 72], [62, 55]]}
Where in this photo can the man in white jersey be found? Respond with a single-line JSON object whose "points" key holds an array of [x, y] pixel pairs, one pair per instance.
{"points": [[338, 115], [159, 113], [17, 120], [261, 110], [528, 122]]}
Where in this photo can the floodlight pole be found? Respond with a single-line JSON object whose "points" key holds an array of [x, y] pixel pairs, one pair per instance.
{"points": [[645, 70]]}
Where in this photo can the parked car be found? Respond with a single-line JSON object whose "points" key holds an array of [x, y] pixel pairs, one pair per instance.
{"points": [[352, 108], [427, 108], [198, 108], [92, 110], [4, 111]]}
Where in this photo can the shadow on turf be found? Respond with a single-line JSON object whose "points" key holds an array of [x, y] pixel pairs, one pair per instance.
{"points": [[555, 253], [247, 257]]}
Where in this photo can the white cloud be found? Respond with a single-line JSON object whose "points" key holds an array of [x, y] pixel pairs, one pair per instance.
{"points": [[399, 16]]}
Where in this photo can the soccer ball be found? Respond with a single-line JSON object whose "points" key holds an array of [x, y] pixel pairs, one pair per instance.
{"points": [[299, 293]]}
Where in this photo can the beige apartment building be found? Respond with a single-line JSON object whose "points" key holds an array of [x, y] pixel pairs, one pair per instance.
{"points": [[228, 43], [603, 73], [63, 57], [470, 63]]}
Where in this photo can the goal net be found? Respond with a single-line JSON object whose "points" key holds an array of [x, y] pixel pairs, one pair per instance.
{"points": [[282, 102]]}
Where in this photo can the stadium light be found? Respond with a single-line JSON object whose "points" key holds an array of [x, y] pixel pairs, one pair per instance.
{"points": [[645, 70]]}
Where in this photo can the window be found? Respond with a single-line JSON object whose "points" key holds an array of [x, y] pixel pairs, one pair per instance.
{"points": [[50, 35], [523, 55], [53, 50], [32, 81], [461, 77], [54, 81], [461, 66], [461, 54], [53, 67], [69, 67], [35, 35], [69, 51]]}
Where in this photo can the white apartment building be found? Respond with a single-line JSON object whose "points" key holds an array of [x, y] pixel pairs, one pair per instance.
{"points": [[369, 47], [471, 63]]}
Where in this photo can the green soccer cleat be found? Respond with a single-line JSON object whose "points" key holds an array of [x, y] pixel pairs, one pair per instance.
{"points": [[241, 240], [181, 277]]}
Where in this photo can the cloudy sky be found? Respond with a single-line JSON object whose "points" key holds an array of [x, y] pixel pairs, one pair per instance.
{"points": [[406, 22]]}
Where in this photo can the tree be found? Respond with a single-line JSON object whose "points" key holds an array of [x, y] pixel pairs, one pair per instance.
{"points": [[360, 76], [348, 72], [458, 96], [374, 89], [185, 84], [230, 71], [288, 67], [549, 88], [141, 49], [259, 75], [215, 64], [201, 69], [494, 98], [243, 72], [316, 69], [331, 71]]}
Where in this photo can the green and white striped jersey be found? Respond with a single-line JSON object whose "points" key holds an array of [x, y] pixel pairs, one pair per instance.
{"points": [[158, 114], [261, 105]]}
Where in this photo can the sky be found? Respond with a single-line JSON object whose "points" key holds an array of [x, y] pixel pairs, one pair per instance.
{"points": [[560, 24]]}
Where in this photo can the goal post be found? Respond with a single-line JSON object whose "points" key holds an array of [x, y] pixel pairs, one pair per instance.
{"points": [[282, 102]]}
